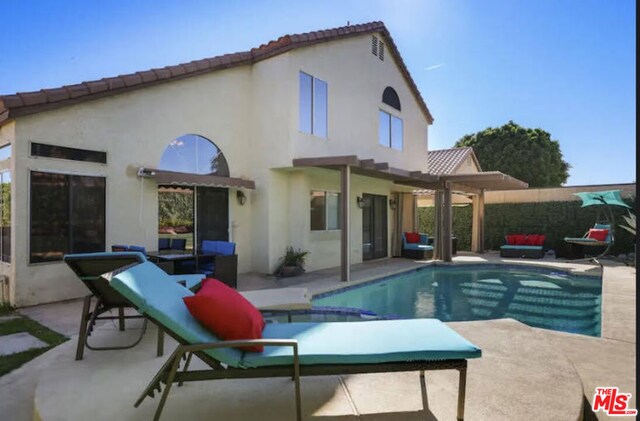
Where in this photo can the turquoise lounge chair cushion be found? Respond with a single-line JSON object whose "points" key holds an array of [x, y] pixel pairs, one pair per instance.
{"points": [[514, 247], [143, 285], [368, 342]]}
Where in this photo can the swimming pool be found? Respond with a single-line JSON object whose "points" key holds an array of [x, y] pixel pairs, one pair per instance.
{"points": [[538, 297]]}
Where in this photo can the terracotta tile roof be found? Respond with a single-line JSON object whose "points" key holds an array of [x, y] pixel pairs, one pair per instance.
{"points": [[24, 103], [447, 161]]}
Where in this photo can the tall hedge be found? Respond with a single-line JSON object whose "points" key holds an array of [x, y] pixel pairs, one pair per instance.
{"points": [[556, 220]]}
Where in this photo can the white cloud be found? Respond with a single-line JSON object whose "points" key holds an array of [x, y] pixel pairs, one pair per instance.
{"points": [[435, 66]]}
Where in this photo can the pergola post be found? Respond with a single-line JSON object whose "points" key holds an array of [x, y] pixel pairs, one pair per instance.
{"points": [[345, 225], [447, 219], [477, 224], [437, 229]]}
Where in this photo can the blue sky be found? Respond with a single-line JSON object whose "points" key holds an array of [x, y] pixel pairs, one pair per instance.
{"points": [[565, 66]]}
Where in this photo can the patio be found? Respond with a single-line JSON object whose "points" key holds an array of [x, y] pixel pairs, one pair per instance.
{"points": [[518, 361]]}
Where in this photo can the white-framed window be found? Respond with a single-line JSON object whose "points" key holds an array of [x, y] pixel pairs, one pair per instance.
{"points": [[313, 105], [325, 210], [390, 130]]}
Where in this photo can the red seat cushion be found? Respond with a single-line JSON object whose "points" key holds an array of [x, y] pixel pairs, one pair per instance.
{"points": [[598, 234], [511, 240], [520, 239], [412, 237], [226, 313], [540, 240]]}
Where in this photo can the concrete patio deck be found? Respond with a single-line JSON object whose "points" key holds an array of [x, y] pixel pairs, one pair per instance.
{"points": [[525, 373]]}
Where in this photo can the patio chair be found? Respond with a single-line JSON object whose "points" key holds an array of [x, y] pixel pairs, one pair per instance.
{"points": [[178, 244], [88, 267], [164, 243], [291, 349], [139, 249], [221, 262], [119, 247], [586, 240]]}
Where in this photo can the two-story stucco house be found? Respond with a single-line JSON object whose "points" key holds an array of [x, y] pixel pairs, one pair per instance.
{"points": [[267, 148]]}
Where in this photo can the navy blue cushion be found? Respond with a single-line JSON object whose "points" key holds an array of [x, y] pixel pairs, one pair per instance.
{"points": [[178, 244], [164, 243], [138, 249]]}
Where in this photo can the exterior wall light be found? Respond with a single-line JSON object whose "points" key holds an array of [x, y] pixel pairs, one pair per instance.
{"points": [[392, 203], [242, 199], [360, 202]]}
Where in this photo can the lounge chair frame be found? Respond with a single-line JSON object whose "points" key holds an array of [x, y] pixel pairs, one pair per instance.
{"points": [[169, 374], [107, 299]]}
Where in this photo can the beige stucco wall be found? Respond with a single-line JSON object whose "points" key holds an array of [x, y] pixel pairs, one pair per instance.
{"points": [[555, 194], [133, 128], [251, 113], [324, 246], [468, 166]]}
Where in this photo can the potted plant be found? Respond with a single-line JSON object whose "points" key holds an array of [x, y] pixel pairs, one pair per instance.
{"points": [[292, 263]]}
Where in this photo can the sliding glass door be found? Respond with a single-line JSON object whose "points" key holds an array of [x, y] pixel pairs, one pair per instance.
{"points": [[193, 214], [374, 226]]}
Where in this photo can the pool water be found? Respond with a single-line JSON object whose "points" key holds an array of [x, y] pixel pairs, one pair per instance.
{"points": [[535, 296]]}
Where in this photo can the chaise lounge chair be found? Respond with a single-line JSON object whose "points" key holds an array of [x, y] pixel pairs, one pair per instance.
{"points": [[291, 349]]}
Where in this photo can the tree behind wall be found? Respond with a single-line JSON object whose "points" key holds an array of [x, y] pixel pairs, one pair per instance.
{"points": [[527, 154]]}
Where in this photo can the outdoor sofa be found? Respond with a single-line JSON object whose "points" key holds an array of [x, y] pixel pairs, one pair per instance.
{"points": [[524, 246], [290, 349]]}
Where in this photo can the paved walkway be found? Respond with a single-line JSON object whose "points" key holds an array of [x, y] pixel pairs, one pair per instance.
{"points": [[607, 361]]}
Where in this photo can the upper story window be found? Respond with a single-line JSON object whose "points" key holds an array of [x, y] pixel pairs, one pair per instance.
{"points": [[72, 154], [313, 105], [391, 98], [390, 130]]}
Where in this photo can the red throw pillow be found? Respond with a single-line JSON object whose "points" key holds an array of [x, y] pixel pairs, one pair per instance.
{"points": [[521, 240], [511, 240], [540, 240], [532, 239], [226, 313], [598, 234], [412, 237]]}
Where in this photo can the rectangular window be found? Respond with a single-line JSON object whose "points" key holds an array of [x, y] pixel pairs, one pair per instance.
{"points": [[390, 130], [67, 215], [5, 216], [313, 105], [325, 211], [73, 154]]}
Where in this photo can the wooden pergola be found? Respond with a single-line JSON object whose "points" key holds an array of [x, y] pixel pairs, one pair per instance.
{"points": [[443, 185]]}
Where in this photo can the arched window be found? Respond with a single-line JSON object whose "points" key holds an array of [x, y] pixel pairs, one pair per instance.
{"points": [[194, 154], [390, 97]]}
